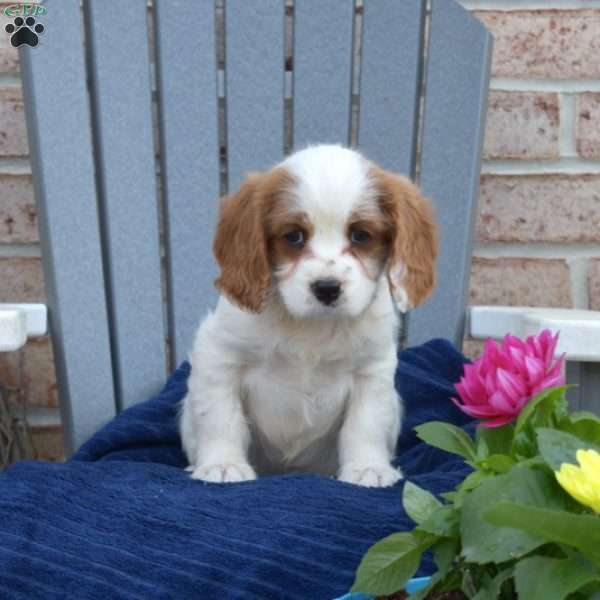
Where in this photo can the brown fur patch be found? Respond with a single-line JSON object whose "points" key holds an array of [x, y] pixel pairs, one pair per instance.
{"points": [[241, 244], [414, 234], [378, 227], [281, 221]]}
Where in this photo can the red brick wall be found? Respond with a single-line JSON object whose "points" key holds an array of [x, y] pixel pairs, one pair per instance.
{"points": [[538, 231], [537, 239]]}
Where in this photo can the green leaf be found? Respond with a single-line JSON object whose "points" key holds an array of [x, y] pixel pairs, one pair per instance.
{"points": [[418, 503], [543, 578], [472, 480], [499, 463], [390, 563], [552, 398], [579, 531], [561, 409], [536, 461], [491, 590], [445, 553], [481, 448], [469, 483], [484, 542], [447, 437], [468, 585], [584, 415], [558, 447], [524, 446], [497, 440], [444, 522], [439, 584], [585, 425], [450, 497]]}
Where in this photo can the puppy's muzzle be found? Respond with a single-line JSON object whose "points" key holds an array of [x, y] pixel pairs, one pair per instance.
{"points": [[326, 291]]}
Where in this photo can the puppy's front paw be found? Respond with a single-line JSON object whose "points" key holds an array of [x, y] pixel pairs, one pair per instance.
{"points": [[224, 472], [369, 475]]}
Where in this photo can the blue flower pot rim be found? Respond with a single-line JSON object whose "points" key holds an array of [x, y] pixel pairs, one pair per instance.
{"points": [[414, 585]]}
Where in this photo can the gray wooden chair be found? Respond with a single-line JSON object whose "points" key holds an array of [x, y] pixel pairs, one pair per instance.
{"points": [[127, 219]]}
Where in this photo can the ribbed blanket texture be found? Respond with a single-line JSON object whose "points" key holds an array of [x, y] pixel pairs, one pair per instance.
{"points": [[122, 520]]}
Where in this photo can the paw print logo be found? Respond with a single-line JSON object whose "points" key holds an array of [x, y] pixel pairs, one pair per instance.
{"points": [[24, 31]]}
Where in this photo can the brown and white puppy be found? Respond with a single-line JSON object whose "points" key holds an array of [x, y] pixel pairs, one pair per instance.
{"points": [[294, 371]]}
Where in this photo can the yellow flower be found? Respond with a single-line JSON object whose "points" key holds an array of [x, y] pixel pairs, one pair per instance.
{"points": [[583, 482]]}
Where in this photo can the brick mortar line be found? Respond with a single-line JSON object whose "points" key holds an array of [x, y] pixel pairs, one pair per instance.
{"points": [[569, 86], [15, 166], [562, 166], [578, 274], [20, 251], [39, 416], [10, 79], [568, 126], [549, 250]]}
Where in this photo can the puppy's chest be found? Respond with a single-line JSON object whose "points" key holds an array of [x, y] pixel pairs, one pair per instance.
{"points": [[296, 394]]}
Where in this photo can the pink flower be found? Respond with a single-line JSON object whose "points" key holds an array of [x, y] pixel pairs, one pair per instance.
{"points": [[497, 386]]}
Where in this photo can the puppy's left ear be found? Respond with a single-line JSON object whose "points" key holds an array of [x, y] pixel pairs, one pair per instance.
{"points": [[414, 245]]}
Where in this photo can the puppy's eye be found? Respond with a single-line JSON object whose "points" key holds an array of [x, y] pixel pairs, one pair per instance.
{"points": [[359, 236], [295, 238]]}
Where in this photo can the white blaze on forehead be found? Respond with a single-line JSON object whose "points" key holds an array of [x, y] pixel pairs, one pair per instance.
{"points": [[331, 182]]}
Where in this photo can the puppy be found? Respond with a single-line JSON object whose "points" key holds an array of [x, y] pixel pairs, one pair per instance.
{"points": [[294, 370]]}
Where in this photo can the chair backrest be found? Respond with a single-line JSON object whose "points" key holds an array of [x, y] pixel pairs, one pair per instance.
{"points": [[230, 86]]}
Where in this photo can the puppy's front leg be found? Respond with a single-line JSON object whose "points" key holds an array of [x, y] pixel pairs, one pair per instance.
{"points": [[370, 431], [214, 430]]}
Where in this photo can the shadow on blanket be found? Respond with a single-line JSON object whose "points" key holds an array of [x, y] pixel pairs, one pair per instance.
{"points": [[123, 520]]}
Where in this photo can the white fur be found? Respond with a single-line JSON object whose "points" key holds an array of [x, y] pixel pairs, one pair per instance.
{"points": [[300, 386]]}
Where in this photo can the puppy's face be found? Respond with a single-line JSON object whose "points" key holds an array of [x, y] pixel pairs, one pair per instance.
{"points": [[319, 232]]}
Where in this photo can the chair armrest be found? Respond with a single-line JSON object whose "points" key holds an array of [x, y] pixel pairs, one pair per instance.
{"points": [[20, 321], [579, 329]]}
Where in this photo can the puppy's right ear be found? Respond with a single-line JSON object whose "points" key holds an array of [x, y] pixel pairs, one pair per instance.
{"points": [[240, 247]]}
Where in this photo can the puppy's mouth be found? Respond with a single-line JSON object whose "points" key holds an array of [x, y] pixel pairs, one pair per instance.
{"points": [[319, 310]]}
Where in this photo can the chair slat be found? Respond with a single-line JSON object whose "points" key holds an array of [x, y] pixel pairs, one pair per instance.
{"points": [[586, 377], [455, 107], [121, 94], [390, 82], [254, 75], [190, 161], [87, 290], [60, 142], [322, 71]]}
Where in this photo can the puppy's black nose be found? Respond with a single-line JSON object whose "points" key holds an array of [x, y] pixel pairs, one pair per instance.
{"points": [[326, 291]]}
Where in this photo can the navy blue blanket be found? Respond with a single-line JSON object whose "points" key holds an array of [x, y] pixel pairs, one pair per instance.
{"points": [[123, 520]]}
